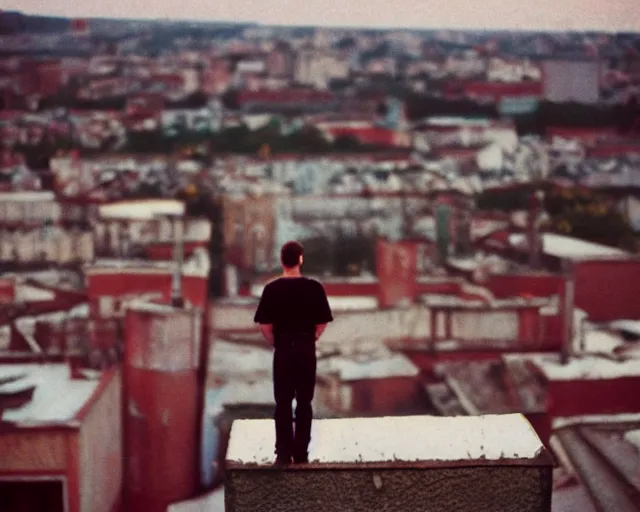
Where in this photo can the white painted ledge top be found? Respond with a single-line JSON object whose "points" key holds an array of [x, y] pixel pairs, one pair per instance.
{"points": [[406, 439]]}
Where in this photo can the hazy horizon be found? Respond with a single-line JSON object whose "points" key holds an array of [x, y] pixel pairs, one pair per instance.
{"points": [[552, 15]]}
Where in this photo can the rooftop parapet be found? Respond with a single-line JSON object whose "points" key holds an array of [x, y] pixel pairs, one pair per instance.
{"points": [[482, 463]]}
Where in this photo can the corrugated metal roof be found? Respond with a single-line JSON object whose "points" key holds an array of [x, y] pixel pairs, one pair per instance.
{"points": [[572, 499], [444, 400], [610, 442], [603, 477], [491, 387], [57, 398]]}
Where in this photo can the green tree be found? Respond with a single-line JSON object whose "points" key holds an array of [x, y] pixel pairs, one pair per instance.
{"points": [[419, 106], [147, 142], [582, 213], [352, 253], [309, 139], [148, 190], [505, 199], [230, 99], [318, 255], [346, 143], [197, 99], [578, 212]]}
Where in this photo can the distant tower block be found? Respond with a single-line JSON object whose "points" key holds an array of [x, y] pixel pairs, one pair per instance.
{"points": [[161, 400]]}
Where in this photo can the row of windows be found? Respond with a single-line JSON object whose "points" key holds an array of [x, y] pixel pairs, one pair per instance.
{"points": [[24, 211], [55, 249]]}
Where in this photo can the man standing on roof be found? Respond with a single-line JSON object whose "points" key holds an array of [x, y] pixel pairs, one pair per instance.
{"points": [[293, 313]]}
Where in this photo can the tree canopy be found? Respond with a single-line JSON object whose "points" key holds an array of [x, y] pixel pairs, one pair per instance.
{"points": [[575, 211]]}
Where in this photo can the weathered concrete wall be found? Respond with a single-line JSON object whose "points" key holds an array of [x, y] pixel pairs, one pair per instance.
{"points": [[412, 322], [462, 489]]}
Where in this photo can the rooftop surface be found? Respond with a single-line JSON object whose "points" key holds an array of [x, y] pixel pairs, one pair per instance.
{"points": [[570, 248], [408, 439], [228, 360], [211, 502], [57, 399], [141, 210], [604, 457], [490, 387], [349, 369], [581, 368]]}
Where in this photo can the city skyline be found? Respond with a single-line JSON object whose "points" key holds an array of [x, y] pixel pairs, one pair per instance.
{"points": [[621, 15], [469, 200]]}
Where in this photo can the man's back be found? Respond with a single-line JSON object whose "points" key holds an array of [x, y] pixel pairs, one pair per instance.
{"points": [[293, 313], [294, 305]]}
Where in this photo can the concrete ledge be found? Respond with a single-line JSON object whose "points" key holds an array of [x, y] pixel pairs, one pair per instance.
{"points": [[404, 464]]}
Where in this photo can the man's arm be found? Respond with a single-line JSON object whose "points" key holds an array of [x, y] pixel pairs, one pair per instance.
{"points": [[267, 332], [323, 312], [264, 316], [319, 330]]}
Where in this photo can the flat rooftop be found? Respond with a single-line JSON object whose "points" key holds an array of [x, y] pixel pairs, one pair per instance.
{"points": [[570, 248], [412, 440], [353, 369], [141, 209], [585, 367], [57, 398], [211, 502]]}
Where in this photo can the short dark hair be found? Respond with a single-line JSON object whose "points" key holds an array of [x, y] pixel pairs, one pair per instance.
{"points": [[290, 254]]}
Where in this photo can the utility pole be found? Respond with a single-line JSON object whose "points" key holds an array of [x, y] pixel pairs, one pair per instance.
{"points": [[214, 214], [536, 208], [216, 248], [568, 301], [216, 289]]}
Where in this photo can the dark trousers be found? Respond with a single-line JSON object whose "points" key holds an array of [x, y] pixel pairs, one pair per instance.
{"points": [[294, 376]]}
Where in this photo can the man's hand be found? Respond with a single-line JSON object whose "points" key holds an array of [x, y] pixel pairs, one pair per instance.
{"points": [[267, 332]]}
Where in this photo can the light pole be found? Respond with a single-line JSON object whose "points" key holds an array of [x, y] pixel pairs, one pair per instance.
{"points": [[177, 299]]}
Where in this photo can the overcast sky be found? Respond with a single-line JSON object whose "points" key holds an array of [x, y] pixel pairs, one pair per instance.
{"points": [[609, 15]]}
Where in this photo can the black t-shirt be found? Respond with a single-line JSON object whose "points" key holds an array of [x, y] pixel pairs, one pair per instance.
{"points": [[294, 305]]}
